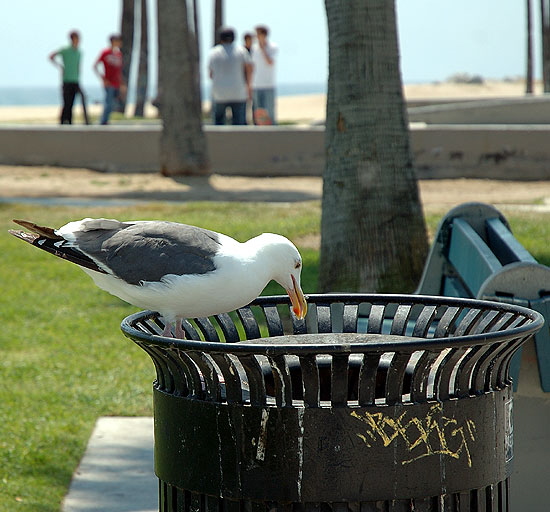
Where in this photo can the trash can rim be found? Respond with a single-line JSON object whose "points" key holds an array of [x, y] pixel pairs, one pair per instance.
{"points": [[537, 320]]}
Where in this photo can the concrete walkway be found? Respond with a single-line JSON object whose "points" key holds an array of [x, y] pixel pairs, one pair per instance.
{"points": [[116, 473]]}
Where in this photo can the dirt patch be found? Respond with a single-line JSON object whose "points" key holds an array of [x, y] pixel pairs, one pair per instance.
{"points": [[35, 182], [444, 194], [54, 182]]}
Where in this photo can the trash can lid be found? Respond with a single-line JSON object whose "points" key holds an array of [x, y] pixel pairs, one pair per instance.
{"points": [[332, 339]]}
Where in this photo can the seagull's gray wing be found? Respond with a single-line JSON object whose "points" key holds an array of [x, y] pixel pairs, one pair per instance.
{"points": [[148, 250]]}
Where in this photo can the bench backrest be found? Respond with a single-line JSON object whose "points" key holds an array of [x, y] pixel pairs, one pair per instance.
{"points": [[475, 255]]}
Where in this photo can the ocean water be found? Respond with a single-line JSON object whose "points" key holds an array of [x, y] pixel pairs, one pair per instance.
{"points": [[18, 96], [48, 95]]}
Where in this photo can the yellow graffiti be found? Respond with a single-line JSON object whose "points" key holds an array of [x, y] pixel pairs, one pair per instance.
{"points": [[433, 435]]}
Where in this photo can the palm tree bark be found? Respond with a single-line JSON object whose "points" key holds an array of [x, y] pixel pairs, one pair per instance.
{"points": [[373, 236], [183, 143], [143, 66], [545, 38], [127, 34], [218, 20], [529, 60]]}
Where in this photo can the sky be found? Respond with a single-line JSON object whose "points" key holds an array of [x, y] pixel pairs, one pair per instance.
{"points": [[438, 38]]}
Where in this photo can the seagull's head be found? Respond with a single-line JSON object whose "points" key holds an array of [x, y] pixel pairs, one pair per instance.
{"points": [[286, 265]]}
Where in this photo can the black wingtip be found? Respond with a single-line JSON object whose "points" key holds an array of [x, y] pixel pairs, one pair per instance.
{"points": [[53, 246], [23, 235]]}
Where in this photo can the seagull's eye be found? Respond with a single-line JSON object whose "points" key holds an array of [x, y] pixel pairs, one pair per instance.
{"points": [[298, 264]]}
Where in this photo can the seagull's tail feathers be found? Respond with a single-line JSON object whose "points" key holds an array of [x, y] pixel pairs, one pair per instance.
{"points": [[46, 239]]}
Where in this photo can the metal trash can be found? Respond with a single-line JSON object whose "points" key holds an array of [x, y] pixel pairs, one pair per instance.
{"points": [[373, 402]]}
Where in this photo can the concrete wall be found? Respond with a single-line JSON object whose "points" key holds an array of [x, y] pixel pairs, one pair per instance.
{"points": [[495, 152], [102, 148], [270, 150], [441, 151], [526, 110], [241, 151]]}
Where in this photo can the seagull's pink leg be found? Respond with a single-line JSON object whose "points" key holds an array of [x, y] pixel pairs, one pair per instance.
{"points": [[167, 331], [179, 333]]}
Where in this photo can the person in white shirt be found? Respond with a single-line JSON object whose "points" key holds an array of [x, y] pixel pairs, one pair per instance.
{"points": [[263, 78], [230, 70]]}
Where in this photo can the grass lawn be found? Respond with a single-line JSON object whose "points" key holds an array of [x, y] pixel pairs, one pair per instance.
{"points": [[64, 361]]}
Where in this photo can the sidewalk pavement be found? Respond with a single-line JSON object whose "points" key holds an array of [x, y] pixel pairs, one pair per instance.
{"points": [[116, 473]]}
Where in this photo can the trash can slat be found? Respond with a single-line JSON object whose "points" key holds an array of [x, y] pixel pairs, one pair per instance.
{"points": [[282, 381], [400, 319], [249, 323], [350, 318], [376, 318], [310, 380], [324, 319], [339, 380], [395, 377], [273, 320], [424, 320], [446, 322], [207, 328], [255, 379]]}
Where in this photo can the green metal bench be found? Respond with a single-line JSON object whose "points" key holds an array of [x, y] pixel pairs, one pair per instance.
{"points": [[475, 255]]}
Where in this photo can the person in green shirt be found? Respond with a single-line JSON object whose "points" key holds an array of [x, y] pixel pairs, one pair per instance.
{"points": [[69, 64]]}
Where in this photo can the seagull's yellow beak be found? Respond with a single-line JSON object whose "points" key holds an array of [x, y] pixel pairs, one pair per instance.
{"points": [[298, 300]]}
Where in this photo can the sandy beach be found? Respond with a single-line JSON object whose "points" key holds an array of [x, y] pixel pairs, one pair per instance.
{"points": [[299, 109]]}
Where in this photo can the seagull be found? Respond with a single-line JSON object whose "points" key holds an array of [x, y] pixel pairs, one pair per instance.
{"points": [[177, 270]]}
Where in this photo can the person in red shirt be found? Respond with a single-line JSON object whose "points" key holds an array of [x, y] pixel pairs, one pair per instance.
{"points": [[111, 59]]}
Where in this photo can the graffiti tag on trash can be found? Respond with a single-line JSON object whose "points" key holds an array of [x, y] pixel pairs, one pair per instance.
{"points": [[435, 434]]}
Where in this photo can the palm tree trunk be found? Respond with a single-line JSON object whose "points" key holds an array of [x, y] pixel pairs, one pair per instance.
{"points": [[218, 20], [183, 143], [545, 33], [127, 33], [143, 66], [529, 69], [373, 236], [195, 58]]}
